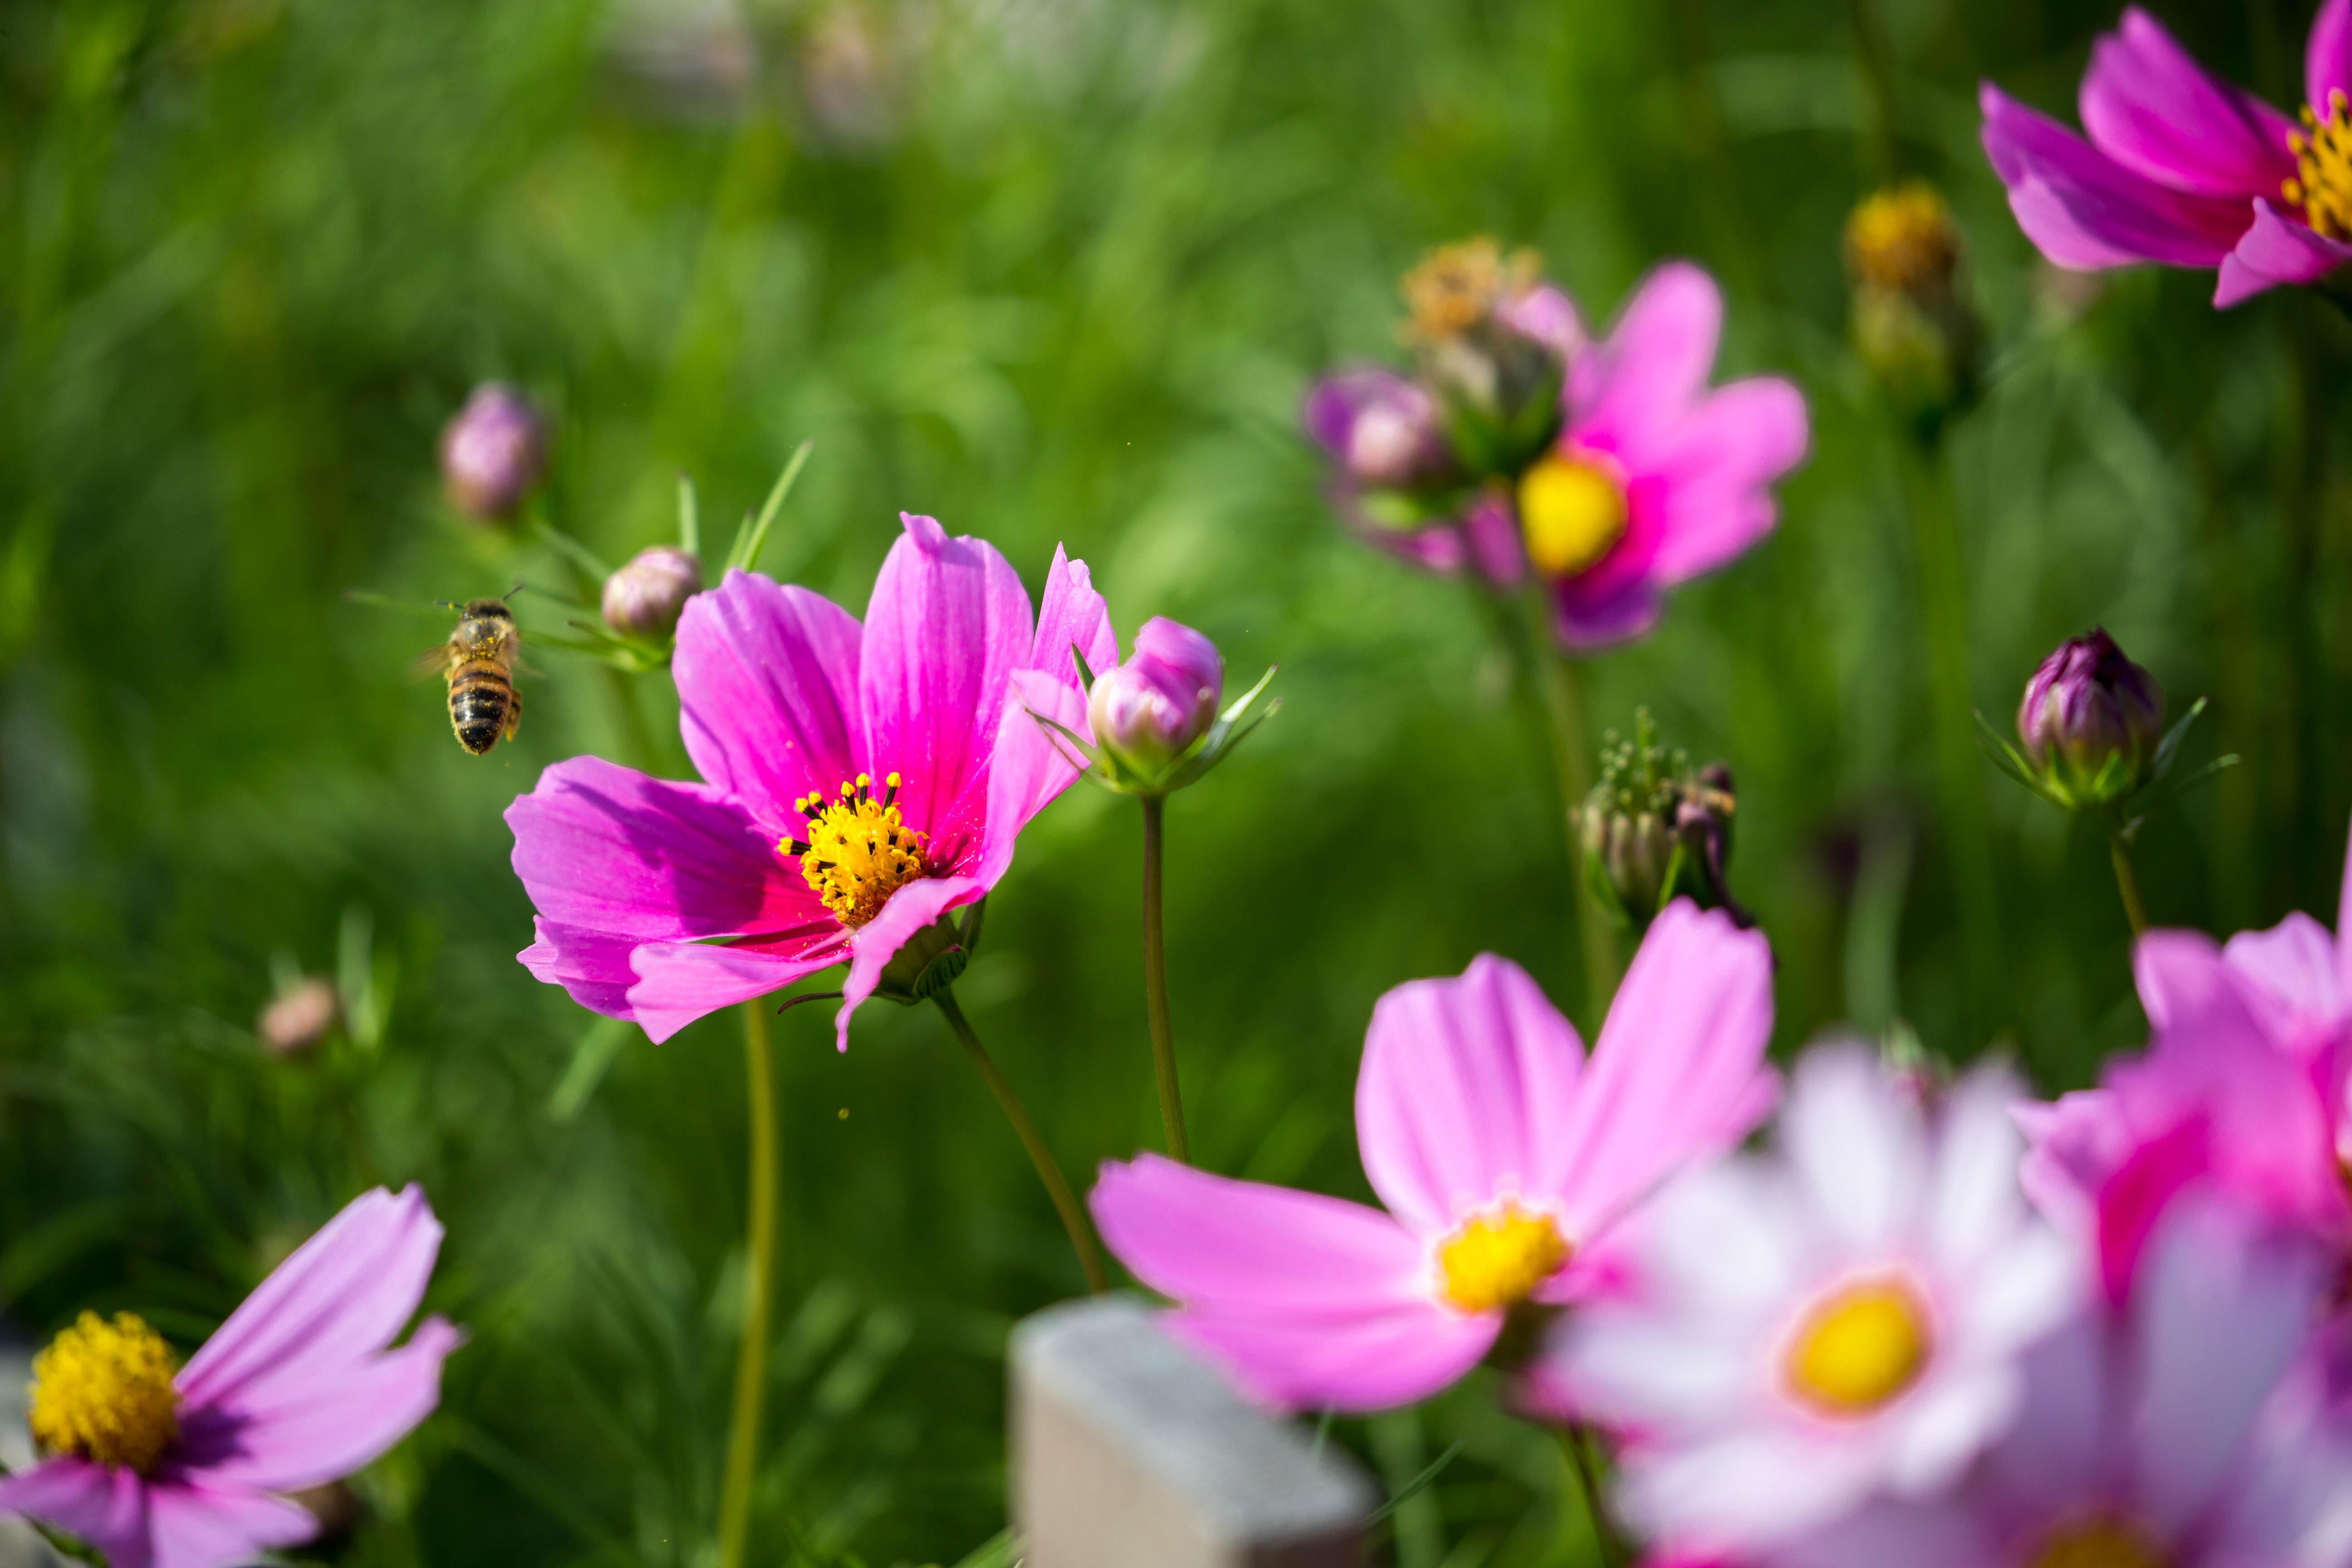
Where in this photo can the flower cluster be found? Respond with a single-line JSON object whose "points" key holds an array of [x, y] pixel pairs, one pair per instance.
{"points": [[1605, 471], [1942, 1326]]}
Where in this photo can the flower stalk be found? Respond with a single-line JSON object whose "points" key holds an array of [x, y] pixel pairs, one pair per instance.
{"points": [[1943, 596], [759, 1286], [1057, 1187], [1576, 1443], [1155, 985], [1556, 679], [2127, 882]]}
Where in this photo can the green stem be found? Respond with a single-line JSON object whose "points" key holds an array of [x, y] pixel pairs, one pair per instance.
{"points": [[1563, 706], [1575, 1443], [1968, 830], [2127, 884], [1155, 986], [1057, 1187], [751, 1353]]}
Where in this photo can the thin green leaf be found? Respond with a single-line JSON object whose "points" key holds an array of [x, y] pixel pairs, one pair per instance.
{"points": [[571, 550], [689, 517], [1241, 704], [1085, 672], [599, 1044], [1413, 1488], [2168, 749], [745, 553]]}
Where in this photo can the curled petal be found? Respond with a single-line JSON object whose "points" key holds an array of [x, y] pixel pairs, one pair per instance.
{"points": [[679, 981], [2328, 54], [876, 942], [2275, 249]]}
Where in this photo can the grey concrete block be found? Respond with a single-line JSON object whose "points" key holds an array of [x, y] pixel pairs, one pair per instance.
{"points": [[1128, 1452], [21, 1545]]}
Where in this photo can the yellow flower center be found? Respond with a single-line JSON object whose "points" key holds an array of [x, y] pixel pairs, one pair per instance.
{"points": [[1456, 286], [858, 853], [1499, 1259], [1571, 513], [103, 1391], [1902, 240], [2322, 182], [1859, 1349], [2098, 1543]]}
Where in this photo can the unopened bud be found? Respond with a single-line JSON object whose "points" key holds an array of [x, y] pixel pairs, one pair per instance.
{"points": [[1652, 830], [493, 453], [2091, 720], [1150, 711], [1912, 325], [1492, 342], [645, 598], [1381, 428], [298, 1019]]}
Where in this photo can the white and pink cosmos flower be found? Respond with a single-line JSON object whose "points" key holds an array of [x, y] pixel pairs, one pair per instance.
{"points": [[1841, 1318], [1508, 1160], [2186, 1429]]}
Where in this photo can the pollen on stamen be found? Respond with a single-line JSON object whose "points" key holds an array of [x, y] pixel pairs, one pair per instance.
{"points": [[869, 852], [102, 1390], [2322, 182]]}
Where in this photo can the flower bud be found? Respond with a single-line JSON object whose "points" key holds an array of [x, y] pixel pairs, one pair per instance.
{"points": [[1381, 428], [493, 453], [1652, 830], [1491, 340], [645, 598], [1148, 713], [2091, 721], [298, 1019], [1912, 325]]}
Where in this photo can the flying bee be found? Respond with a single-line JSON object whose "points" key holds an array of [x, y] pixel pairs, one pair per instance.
{"points": [[478, 662]]}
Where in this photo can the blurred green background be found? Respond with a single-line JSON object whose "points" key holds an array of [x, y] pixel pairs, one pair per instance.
{"points": [[1052, 270]]}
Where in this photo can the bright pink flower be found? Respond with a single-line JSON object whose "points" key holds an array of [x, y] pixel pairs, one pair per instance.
{"points": [[661, 901], [2186, 1430], [2183, 168], [1506, 1161], [298, 1388], [2244, 1084], [1656, 478]]}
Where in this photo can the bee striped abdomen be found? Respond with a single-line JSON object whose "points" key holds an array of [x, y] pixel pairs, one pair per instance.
{"points": [[481, 700]]}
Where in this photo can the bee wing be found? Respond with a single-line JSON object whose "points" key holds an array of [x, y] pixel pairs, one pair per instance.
{"points": [[433, 661], [437, 609]]}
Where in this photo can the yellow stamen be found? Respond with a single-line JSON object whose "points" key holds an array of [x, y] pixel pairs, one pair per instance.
{"points": [[1859, 1349], [2098, 1544], [858, 851], [1499, 1259], [1571, 514], [103, 1391], [1902, 240], [1456, 286], [2322, 182]]}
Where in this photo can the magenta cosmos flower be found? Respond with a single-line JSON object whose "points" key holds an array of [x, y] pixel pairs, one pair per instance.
{"points": [[860, 784], [1656, 479], [2246, 1084], [298, 1388], [2185, 169], [1506, 1159]]}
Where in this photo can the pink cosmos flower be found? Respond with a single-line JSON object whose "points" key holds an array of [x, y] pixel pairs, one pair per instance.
{"points": [[1506, 1159], [1842, 1317], [2184, 1430], [298, 1388], [2183, 168], [2247, 1084], [1656, 479], [860, 784]]}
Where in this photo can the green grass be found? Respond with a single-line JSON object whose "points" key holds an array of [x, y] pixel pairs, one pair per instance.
{"points": [[1055, 270]]}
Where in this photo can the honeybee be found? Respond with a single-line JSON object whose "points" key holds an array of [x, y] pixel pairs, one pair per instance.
{"points": [[478, 661]]}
